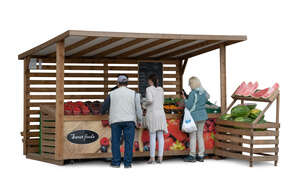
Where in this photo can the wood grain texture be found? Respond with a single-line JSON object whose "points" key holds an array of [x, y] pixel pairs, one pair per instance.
{"points": [[60, 56]]}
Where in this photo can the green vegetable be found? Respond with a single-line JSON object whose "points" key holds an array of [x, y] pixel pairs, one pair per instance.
{"points": [[226, 117], [243, 119], [240, 111]]}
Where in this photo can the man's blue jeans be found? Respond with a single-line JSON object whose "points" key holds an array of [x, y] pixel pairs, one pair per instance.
{"points": [[128, 129]]}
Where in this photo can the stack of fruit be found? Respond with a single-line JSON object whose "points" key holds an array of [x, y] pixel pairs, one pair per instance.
{"points": [[94, 107], [82, 108], [173, 105], [244, 113], [250, 90], [76, 108]]}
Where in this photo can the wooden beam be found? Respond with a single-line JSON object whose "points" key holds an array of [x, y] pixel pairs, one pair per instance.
{"points": [[157, 36], [26, 104], [120, 47], [204, 49], [184, 65], [144, 47], [44, 45], [74, 45], [277, 129], [223, 77], [88, 60], [189, 48], [160, 50], [59, 128], [95, 47]]}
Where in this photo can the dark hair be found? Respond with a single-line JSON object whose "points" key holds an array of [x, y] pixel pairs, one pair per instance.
{"points": [[154, 79]]}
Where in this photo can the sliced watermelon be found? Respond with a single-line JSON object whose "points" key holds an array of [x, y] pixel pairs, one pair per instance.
{"points": [[240, 88], [246, 92], [271, 91], [246, 89], [259, 93], [251, 87]]}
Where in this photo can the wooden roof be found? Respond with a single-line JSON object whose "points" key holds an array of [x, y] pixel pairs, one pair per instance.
{"points": [[120, 45]]}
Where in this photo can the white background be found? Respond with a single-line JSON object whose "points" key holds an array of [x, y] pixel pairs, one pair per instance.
{"points": [[271, 54]]}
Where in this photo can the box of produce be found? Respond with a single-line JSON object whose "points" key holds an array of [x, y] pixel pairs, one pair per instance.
{"points": [[242, 113]]}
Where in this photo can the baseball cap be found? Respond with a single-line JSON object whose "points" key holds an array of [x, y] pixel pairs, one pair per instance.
{"points": [[122, 79]]}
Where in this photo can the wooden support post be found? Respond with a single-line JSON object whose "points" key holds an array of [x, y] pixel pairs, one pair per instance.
{"points": [[26, 104], [277, 129], [223, 77], [179, 65], [59, 119], [105, 78], [184, 65], [251, 149]]}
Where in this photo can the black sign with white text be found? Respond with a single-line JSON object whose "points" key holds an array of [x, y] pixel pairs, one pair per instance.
{"points": [[82, 137]]}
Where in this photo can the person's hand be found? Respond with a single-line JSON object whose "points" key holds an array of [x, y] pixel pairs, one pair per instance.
{"points": [[139, 125], [182, 95]]}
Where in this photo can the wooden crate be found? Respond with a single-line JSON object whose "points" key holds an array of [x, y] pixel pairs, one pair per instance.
{"points": [[244, 140], [47, 132]]}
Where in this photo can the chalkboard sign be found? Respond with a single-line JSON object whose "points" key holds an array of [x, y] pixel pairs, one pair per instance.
{"points": [[82, 137], [146, 69]]}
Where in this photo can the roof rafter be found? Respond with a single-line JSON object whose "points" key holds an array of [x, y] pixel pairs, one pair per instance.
{"points": [[95, 47], [120, 47], [168, 47]]}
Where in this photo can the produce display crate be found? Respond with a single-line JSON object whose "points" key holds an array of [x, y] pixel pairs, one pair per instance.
{"points": [[47, 132], [249, 141]]}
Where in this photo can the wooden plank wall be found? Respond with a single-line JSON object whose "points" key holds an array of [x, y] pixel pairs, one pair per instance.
{"points": [[84, 80]]}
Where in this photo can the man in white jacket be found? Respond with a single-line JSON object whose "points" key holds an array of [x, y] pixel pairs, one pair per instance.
{"points": [[125, 113]]}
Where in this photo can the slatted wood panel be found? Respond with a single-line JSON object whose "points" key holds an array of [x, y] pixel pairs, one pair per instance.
{"points": [[47, 132], [84, 80], [239, 140]]}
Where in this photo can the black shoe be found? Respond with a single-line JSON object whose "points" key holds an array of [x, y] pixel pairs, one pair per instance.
{"points": [[200, 158], [190, 159], [114, 166], [127, 166]]}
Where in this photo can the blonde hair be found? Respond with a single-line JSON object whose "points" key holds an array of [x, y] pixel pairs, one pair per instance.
{"points": [[194, 82]]}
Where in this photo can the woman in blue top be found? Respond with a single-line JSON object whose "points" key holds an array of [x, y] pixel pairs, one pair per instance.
{"points": [[196, 104]]}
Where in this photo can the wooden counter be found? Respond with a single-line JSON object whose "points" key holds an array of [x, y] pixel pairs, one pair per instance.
{"points": [[105, 117]]}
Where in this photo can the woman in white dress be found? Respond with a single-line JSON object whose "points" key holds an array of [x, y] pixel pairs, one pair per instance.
{"points": [[155, 117]]}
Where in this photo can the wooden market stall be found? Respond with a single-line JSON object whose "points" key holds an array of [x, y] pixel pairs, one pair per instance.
{"points": [[68, 63]]}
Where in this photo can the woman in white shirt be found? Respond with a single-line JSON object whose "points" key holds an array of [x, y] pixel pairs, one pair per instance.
{"points": [[155, 117]]}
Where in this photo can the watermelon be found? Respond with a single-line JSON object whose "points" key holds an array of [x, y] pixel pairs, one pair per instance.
{"points": [[250, 89], [259, 93], [254, 113], [240, 88], [251, 105], [247, 90], [240, 111], [226, 117], [271, 91], [244, 119]]}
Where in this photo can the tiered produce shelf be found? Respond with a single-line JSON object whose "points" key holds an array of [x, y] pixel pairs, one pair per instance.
{"points": [[242, 140]]}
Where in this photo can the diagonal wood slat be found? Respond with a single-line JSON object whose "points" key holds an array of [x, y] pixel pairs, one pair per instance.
{"points": [[144, 47], [95, 47], [159, 50], [120, 47], [186, 49], [207, 49], [75, 45]]}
